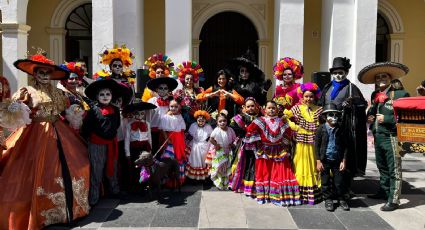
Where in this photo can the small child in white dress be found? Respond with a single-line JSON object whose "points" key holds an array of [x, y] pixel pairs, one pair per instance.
{"points": [[196, 168], [222, 139]]}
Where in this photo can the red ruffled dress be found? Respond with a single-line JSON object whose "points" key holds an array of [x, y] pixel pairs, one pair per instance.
{"points": [[274, 179]]}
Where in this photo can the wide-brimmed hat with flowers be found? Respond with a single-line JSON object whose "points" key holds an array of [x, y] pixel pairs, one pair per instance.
{"points": [[288, 63], [73, 68], [159, 61], [192, 68], [38, 60], [395, 69]]}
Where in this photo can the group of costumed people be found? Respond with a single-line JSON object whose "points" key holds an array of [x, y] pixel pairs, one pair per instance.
{"points": [[69, 142]]}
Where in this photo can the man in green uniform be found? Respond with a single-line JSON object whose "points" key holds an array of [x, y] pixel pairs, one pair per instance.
{"points": [[383, 126]]}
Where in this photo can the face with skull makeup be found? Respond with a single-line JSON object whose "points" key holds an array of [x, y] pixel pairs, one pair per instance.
{"points": [[42, 75], [339, 75], [104, 96], [332, 118], [117, 67]]}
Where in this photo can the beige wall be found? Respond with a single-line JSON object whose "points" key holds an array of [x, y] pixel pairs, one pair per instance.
{"points": [[39, 14], [154, 27], [412, 13], [312, 30]]}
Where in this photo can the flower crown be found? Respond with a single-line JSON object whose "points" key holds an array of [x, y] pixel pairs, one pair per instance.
{"points": [[159, 60], [192, 68], [101, 75], [73, 67], [123, 53], [309, 86], [288, 63], [202, 113]]}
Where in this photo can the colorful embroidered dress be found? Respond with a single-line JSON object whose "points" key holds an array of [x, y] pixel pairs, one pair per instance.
{"points": [[221, 159], [188, 103], [305, 125], [243, 167], [274, 180]]}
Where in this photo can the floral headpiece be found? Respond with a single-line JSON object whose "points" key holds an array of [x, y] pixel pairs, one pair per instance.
{"points": [[101, 75], [288, 63], [123, 53], [159, 60], [202, 113], [191, 68], [73, 67], [309, 86]]}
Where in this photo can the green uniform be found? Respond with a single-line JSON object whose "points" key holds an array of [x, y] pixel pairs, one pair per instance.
{"points": [[388, 159]]}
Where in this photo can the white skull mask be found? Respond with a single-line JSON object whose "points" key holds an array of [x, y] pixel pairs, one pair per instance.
{"points": [[339, 75], [104, 96]]}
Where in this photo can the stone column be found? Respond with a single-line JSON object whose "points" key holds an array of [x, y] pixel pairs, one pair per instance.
{"points": [[289, 29], [349, 30], [262, 55], [102, 29], [128, 24], [178, 30], [396, 46], [14, 47], [57, 44]]}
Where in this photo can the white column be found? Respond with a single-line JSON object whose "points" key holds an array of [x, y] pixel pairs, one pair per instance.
{"points": [[128, 24], [57, 44], [14, 47], [178, 30], [289, 29], [263, 54], [337, 31], [364, 45], [102, 29]]}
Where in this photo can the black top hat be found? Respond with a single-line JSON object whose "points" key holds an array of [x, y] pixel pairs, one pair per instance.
{"points": [[118, 90], [340, 63], [139, 106], [331, 107], [170, 82]]}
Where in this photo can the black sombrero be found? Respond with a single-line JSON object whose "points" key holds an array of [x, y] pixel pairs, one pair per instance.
{"points": [[368, 73], [118, 90], [170, 82], [138, 106], [39, 60]]}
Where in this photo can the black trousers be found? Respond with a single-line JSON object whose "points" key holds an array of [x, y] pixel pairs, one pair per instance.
{"points": [[333, 185]]}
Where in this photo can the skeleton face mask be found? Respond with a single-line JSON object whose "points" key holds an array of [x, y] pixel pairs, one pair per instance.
{"points": [[332, 118], [42, 75], [104, 96], [117, 67], [339, 75]]}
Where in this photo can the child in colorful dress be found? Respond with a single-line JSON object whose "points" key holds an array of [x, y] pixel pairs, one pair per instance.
{"points": [[200, 132], [172, 126], [274, 178], [306, 116], [243, 168], [222, 139]]}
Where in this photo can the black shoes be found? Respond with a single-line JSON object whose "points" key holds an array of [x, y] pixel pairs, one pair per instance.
{"points": [[329, 205], [378, 196], [343, 204], [388, 207]]}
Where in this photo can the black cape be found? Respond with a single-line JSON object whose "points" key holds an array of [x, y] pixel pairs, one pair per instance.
{"points": [[353, 123]]}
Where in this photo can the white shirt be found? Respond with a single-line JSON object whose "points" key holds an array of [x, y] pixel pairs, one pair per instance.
{"points": [[135, 135]]}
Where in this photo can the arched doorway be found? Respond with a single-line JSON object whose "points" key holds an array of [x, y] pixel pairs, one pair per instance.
{"points": [[382, 43], [225, 36], [78, 39]]}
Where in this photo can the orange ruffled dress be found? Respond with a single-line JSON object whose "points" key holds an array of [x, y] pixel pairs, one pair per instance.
{"points": [[44, 173]]}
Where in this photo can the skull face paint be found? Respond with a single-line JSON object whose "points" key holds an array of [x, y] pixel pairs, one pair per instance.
{"points": [[117, 67], [339, 75], [104, 96], [42, 75]]}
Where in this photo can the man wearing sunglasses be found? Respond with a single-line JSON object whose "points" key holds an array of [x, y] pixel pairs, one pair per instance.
{"points": [[348, 98]]}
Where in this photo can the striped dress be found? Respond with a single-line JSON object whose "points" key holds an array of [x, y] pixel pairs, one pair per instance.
{"points": [[305, 126]]}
